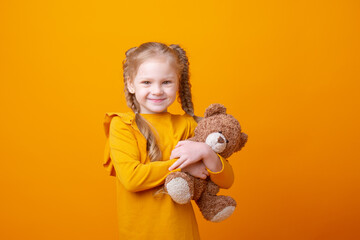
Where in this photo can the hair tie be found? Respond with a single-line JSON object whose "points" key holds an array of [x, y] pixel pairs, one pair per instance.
{"points": [[136, 112]]}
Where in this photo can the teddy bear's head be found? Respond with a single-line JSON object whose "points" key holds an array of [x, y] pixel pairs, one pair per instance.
{"points": [[221, 131]]}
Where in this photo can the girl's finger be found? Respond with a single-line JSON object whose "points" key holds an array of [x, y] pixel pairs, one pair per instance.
{"points": [[185, 164], [176, 164], [174, 154], [180, 143]]}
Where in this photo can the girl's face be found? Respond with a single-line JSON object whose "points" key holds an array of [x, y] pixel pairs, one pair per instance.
{"points": [[155, 85]]}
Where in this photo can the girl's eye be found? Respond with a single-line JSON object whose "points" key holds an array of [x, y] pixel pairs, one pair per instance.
{"points": [[146, 82], [167, 82]]}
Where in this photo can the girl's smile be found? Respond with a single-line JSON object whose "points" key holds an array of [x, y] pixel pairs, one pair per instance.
{"points": [[155, 85], [156, 100]]}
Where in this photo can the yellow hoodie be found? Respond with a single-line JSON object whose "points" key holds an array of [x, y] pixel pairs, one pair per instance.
{"points": [[141, 215]]}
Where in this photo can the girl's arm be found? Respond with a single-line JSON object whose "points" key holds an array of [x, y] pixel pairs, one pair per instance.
{"points": [[224, 178], [197, 169], [125, 155], [190, 152]]}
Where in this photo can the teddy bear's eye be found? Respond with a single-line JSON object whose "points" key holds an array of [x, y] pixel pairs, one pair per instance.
{"points": [[227, 141], [220, 132]]}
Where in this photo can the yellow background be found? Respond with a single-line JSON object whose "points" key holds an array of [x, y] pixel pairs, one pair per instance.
{"points": [[288, 70]]}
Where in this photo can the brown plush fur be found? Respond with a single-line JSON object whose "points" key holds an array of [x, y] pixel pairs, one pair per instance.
{"points": [[214, 208]]}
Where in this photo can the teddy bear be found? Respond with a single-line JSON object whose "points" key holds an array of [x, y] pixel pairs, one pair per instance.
{"points": [[222, 132]]}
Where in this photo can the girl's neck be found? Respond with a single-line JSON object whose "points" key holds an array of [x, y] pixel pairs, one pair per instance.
{"points": [[154, 114]]}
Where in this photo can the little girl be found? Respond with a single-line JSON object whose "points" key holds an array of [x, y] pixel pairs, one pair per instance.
{"points": [[145, 145]]}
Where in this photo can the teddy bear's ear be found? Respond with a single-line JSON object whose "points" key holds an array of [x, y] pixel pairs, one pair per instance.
{"points": [[243, 140], [215, 109]]}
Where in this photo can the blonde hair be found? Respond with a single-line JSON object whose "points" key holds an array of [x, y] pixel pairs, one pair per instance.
{"points": [[134, 58]]}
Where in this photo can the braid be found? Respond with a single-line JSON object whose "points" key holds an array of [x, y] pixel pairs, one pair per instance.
{"points": [[185, 97], [184, 86], [131, 100]]}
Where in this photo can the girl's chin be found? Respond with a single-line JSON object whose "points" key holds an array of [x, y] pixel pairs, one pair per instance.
{"points": [[156, 109]]}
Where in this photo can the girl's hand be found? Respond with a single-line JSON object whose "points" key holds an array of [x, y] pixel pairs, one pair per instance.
{"points": [[188, 152], [197, 170]]}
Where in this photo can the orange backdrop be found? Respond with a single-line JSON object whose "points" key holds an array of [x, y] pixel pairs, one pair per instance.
{"points": [[288, 70]]}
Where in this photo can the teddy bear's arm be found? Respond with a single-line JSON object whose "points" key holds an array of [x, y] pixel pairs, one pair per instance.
{"points": [[225, 177]]}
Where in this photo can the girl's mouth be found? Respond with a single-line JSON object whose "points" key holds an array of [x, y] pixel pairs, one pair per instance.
{"points": [[156, 100]]}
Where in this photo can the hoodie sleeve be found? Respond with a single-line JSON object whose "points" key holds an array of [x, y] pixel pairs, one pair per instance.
{"points": [[123, 159], [225, 177]]}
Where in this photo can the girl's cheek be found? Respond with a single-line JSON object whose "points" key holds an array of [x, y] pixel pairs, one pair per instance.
{"points": [[141, 90]]}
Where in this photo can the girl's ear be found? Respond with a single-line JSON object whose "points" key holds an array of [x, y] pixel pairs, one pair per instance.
{"points": [[130, 86]]}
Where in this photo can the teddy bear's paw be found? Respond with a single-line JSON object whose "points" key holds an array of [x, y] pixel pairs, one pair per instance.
{"points": [[223, 214], [179, 190]]}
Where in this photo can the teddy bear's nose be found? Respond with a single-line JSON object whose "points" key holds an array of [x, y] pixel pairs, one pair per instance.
{"points": [[220, 140]]}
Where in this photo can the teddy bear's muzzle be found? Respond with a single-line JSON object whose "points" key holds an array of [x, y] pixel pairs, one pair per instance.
{"points": [[216, 141]]}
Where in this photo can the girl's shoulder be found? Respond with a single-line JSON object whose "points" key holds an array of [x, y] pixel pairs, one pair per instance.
{"points": [[126, 117], [121, 117]]}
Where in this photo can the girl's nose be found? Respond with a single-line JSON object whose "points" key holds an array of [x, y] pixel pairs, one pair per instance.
{"points": [[157, 90]]}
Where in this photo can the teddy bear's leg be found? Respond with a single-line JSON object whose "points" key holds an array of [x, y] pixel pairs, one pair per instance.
{"points": [[199, 187], [180, 187], [215, 208]]}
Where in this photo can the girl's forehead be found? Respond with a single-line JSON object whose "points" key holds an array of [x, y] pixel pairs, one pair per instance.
{"points": [[159, 59], [158, 66]]}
